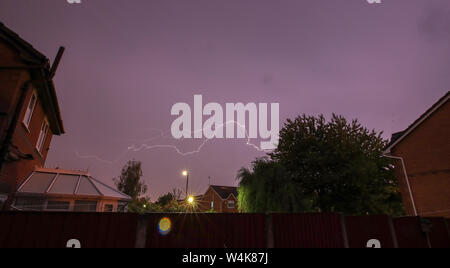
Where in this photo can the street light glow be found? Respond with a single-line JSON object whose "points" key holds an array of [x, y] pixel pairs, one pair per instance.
{"points": [[185, 173], [190, 200]]}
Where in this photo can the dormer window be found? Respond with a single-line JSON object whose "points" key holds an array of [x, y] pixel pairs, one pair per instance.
{"points": [[30, 110]]}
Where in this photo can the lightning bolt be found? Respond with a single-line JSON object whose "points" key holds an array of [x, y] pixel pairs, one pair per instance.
{"points": [[146, 146]]}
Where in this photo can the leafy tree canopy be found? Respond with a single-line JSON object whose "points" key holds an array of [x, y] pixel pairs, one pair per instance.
{"points": [[131, 183], [323, 166]]}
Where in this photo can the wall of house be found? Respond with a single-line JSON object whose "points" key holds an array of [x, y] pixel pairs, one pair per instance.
{"points": [[219, 204], [71, 200], [225, 208], [11, 82], [426, 152], [207, 198]]}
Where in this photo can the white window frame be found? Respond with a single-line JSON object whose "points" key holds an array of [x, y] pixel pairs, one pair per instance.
{"points": [[231, 202], [42, 136], [27, 119]]}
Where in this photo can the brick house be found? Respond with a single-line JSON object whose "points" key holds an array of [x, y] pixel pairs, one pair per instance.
{"points": [[222, 199], [422, 161], [29, 117], [29, 111]]}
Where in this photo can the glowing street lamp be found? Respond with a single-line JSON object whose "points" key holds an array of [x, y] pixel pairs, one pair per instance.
{"points": [[186, 174], [191, 200]]}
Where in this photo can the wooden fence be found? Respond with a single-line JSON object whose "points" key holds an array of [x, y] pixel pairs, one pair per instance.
{"points": [[321, 230]]}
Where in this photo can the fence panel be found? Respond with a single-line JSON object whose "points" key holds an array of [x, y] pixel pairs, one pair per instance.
{"points": [[409, 233], [320, 230], [361, 229], [118, 230], [207, 231], [439, 236], [53, 230]]}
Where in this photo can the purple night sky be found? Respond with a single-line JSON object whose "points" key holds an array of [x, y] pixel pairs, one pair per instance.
{"points": [[128, 61]]}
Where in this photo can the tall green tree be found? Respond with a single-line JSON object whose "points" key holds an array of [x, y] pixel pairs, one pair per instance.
{"points": [[334, 166], [268, 188], [131, 183]]}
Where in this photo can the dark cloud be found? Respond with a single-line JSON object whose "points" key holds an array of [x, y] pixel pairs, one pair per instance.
{"points": [[435, 23]]}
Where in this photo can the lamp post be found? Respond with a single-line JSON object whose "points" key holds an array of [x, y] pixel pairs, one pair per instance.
{"points": [[186, 174]]}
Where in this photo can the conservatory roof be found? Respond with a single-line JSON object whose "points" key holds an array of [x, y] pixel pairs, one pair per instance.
{"points": [[64, 182]]}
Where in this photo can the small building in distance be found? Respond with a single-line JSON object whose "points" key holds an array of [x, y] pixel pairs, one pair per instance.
{"points": [[221, 199], [63, 190], [422, 162]]}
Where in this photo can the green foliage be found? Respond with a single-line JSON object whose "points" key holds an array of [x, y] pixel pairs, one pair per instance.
{"points": [[333, 166], [169, 198], [268, 188], [140, 205], [131, 183], [211, 211]]}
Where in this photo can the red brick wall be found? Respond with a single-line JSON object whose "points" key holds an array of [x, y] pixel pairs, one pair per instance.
{"points": [[426, 152], [11, 82], [219, 204]]}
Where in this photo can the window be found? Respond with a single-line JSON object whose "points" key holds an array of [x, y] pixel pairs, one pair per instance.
{"points": [[58, 205], [212, 204], [108, 208], [42, 136], [230, 204], [30, 110], [29, 203], [122, 207], [85, 206]]}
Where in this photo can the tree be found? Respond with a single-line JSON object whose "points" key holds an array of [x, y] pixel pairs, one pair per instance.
{"points": [[169, 198], [333, 166], [267, 188], [130, 182]]}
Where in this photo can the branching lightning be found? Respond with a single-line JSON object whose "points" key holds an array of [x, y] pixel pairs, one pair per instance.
{"points": [[146, 146]]}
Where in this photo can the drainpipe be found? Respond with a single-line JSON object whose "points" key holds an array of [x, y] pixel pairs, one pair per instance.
{"points": [[12, 124], [407, 181]]}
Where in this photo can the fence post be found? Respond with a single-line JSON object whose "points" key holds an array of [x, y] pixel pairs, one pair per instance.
{"points": [[447, 227], [141, 232], [344, 231], [425, 227], [393, 233], [269, 231]]}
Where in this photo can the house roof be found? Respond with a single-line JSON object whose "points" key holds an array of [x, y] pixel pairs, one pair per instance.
{"points": [[54, 182], [34, 57], [399, 136], [225, 191]]}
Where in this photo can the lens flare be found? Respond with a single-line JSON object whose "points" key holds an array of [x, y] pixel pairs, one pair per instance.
{"points": [[164, 226]]}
